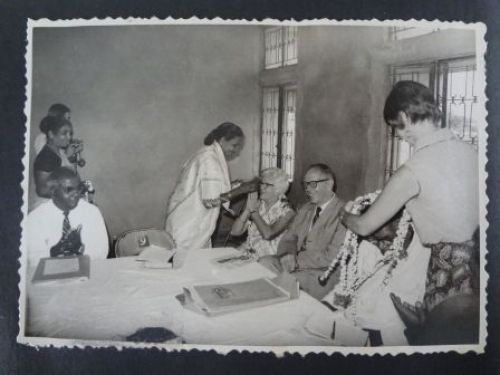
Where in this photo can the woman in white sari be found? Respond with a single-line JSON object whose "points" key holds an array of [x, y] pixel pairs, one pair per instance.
{"points": [[194, 206]]}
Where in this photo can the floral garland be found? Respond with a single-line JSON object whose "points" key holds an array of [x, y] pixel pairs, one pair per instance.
{"points": [[345, 290]]}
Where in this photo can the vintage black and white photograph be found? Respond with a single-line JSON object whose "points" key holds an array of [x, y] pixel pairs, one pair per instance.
{"points": [[313, 186]]}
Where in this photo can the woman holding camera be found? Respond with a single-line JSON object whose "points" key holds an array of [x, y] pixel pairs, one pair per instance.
{"points": [[55, 153], [55, 110]]}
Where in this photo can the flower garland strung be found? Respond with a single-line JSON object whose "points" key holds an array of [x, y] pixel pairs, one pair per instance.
{"points": [[347, 258]]}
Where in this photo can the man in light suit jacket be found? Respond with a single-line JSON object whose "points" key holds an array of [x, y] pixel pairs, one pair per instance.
{"points": [[315, 236]]}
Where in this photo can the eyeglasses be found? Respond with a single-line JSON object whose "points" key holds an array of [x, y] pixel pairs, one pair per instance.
{"points": [[313, 184], [74, 189]]}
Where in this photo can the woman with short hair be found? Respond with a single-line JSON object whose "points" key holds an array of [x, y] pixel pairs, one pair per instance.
{"points": [[193, 207], [267, 217], [438, 187]]}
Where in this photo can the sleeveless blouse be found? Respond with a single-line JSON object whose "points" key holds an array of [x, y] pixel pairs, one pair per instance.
{"points": [[447, 206]]}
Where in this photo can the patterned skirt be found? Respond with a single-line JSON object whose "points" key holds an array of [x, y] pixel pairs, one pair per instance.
{"points": [[453, 270]]}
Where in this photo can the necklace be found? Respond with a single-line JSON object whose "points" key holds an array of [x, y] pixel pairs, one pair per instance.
{"points": [[344, 293]]}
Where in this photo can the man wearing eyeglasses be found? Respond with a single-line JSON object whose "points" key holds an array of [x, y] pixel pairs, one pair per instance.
{"points": [[314, 238], [66, 225]]}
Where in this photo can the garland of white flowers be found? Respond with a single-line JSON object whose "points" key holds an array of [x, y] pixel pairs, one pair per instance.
{"points": [[345, 290]]}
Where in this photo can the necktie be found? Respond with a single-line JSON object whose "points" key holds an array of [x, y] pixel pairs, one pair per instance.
{"points": [[316, 215], [66, 228], [315, 218]]}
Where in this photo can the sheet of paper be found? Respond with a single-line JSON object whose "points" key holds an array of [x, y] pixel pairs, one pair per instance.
{"points": [[57, 266], [321, 324], [346, 334], [155, 254]]}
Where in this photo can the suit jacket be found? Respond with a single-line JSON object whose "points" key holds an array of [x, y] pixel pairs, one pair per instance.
{"points": [[321, 243]]}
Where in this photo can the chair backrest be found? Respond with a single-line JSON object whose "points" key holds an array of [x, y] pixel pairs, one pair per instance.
{"points": [[132, 242]]}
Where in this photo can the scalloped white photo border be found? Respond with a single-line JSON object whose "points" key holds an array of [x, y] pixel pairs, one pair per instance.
{"points": [[480, 31]]}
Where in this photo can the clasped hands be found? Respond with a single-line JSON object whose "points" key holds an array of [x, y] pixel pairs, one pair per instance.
{"points": [[252, 204], [69, 244]]}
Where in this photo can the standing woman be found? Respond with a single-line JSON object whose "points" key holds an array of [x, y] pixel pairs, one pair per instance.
{"points": [[438, 187], [55, 110], [59, 132], [193, 207]]}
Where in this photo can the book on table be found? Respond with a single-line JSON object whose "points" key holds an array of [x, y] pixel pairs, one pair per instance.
{"points": [[62, 268], [218, 299]]}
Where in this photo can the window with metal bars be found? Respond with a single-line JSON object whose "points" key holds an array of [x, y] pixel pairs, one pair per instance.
{"points": [[278, 128], [280, 46], [453, 84]]}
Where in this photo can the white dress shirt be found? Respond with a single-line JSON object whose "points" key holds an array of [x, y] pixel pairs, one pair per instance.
{"points": [[45, 224]]}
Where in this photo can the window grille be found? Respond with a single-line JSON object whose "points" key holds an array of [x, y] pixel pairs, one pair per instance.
{"points": [[453, 84], [288, 131], [278, 128], [270, 114], [290, 45], [274, 47], [458, 98], [280, 46]]}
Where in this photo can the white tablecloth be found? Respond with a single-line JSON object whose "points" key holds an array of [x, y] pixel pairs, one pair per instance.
{"points": [[122, 296]]}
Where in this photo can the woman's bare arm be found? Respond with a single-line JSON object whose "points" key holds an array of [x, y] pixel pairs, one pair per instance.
{"points": [[401, 187], [239, 226], [269, 231]]}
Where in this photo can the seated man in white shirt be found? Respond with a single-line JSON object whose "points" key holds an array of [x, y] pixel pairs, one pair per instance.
{"points": [[66, 225]]}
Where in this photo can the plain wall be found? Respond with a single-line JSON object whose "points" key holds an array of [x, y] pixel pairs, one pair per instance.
{"points": [[142, 99]]}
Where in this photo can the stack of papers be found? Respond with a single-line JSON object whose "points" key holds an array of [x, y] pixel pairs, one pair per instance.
{"points": [[156, 257]]}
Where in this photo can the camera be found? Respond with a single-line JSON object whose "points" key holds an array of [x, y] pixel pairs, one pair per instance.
{"points": [[76, 158], [88, 190]]}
